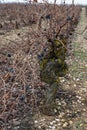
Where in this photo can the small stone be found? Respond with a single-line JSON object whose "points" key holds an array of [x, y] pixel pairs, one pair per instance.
{"points": [[70, 122], [55, 110], [82, 104], [39, 127], [51, 123], [54, 122], [74, 79], [81, 125], [59, 103], [50, 126], [79, 97], [63, 120], [63, 81], [61, 114], [65, 125], [17, 127], [84, 109], [67, 111], [86, 65], [74, 85], [57, 120], [35, 121], [59, 124], [78, 101], [53, 128], [55, 125], [77, 79]]}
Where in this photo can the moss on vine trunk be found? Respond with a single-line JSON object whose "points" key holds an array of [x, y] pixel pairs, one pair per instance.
{"points": [[53, 66]]}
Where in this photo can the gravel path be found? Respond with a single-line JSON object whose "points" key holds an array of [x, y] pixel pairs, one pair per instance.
{"points": [[82, 31], [78, 69], [79, 45]]}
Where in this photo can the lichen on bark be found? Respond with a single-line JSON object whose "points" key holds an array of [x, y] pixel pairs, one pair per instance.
{"points": [[53, 66]]}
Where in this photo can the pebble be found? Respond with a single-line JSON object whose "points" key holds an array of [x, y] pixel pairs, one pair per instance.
{"points": [[55, 110], [65, 125], [35, 121], [57, 119], [59, 103], [81, 124], [16, 128], [85, 65], [74, 79], [82, 104], [63, 81], [70, 122], [62, 120], [74, 85], [61, 114], [77, 79], [80, 97], [54, 121], [50, 126], [84, 109], [53, 128], [39, 127], [51, 123], [59, 124], [78, 101], [68, 111]]}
